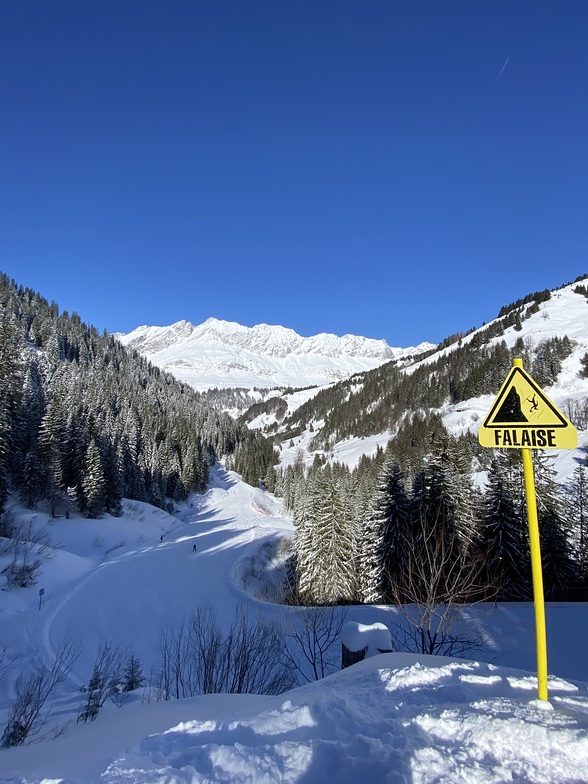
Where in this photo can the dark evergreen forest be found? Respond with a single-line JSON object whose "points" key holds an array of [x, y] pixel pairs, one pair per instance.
{"points": [[429, 536], [84, 422], [408, 525]]}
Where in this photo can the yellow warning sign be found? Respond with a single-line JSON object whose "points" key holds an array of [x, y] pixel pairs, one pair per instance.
{"points": [[522, 416]]}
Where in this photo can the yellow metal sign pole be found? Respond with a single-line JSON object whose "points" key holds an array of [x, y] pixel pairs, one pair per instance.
{"points": [[537, 573]]}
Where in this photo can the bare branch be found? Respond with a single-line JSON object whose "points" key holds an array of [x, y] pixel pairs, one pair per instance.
{"points": [[105, 680], [312, 647], [33, 689], [441, 575]]}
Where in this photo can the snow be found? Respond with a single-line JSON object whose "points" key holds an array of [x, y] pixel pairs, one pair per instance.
{"points": [[225, 354], [208, 356], [394, 717], [388, 719], [374, 637]]}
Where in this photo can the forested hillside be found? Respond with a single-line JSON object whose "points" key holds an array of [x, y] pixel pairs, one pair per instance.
{"points": [[84, 422], [383, 399], [432, 538], [432, 518]]}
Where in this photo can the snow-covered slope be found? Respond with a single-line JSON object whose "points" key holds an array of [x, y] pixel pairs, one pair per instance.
{"points": [[392, 718], [564, 314], [224, 354]]}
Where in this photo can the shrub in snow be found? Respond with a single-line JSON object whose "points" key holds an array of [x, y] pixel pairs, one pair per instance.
{"points": [[22, 575], [33, 689], [27, 546], [198, 657], [105, 681]]}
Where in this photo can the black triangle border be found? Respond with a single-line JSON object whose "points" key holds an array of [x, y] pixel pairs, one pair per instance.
{"points": [[522, 425]]}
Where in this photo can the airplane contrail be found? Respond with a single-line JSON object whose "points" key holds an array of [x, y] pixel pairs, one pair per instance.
{"points": [[501, 72]]}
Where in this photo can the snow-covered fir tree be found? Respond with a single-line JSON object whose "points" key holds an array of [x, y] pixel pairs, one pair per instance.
{"points": [[504, 539], [93, 482], [324, 545], [559, 570], [384, 540], [577, 515]]}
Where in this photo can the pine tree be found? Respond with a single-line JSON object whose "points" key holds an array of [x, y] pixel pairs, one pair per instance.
{"points": [[504, 540], [52, 448], [559, 570], [93, 483], [324, 545], [384, 541], [10, 398], [444, 522], [74, 451], [112, 481], [304, 515], [444, 493], [33, 405], [577, 513], [133, 675], [335, 546]]}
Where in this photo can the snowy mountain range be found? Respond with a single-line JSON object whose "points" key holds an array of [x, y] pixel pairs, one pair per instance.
{"points": [[225, 354]]}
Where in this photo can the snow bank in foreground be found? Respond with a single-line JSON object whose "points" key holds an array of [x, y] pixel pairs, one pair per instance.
{"points": [[391, 719], [383, 720]]}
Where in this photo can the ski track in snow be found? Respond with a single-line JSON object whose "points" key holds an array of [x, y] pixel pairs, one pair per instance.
{"points": [[228, 540]]}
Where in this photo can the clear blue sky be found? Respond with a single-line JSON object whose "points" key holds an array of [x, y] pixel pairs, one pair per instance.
{"points": [[396, 169]]}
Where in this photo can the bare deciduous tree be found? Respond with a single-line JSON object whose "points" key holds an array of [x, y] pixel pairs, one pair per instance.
{"points": [[312, 645], [253, 650], [33, 689], [105, 681], [439, 578], [174, 676]]}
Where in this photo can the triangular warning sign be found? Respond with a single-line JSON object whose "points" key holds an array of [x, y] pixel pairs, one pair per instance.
{"points": [[523, 416], [521, 403]]}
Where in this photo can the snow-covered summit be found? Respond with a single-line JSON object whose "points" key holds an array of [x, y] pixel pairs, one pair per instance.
{"points": [[226, 354]]}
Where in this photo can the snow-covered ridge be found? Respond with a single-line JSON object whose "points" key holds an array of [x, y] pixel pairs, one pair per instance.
{"points": [[226, 354], [564, 314]]}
